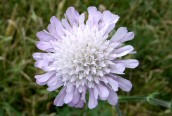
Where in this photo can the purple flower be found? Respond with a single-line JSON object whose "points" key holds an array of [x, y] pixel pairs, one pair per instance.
{"points": [[79, 57]]}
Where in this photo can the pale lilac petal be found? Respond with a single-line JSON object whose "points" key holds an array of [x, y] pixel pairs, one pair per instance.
{"points": [[59, 100], [66, 24], [112, 75], [56, 34], [130, 63], [103, 91], [54, 79], [122, 35], [93, 13], [47, 56], [108, 17], [124, 84], [41, 63], [80, 104], [106, 29], [70, 88], [118, 68], [56, 86], [69, 93], [44, 36], [44, 78], [112, 98], [103, 79], [96, 93], [124, 50], [113, 84], [128, 36], [72, 15], [37, 56], [110, 28], [56, 22], [42, 56], [68, 98], [55, 27], [76, 98], [92, 103], [45, 46], [81, 19], [83, 94], [90, 22], [48, 68]]}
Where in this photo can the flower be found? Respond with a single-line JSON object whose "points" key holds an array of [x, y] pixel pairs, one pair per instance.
{"points": [[80, 58]]}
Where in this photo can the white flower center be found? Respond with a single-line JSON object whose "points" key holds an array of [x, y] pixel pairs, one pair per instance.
{"points": [[83, 56]]}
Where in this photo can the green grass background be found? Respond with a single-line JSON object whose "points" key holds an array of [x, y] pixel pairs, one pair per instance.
{"points": [[20, 20]]}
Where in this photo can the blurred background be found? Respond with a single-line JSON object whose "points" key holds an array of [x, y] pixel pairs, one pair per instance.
{"points": [[20, 20]]}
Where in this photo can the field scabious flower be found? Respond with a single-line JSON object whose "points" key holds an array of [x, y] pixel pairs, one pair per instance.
{"points": [[80, 58]]}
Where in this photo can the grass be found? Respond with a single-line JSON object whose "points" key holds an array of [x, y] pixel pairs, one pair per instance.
{"points": [[21, 19]]}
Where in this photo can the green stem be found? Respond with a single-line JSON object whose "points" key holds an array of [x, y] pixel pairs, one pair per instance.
{"points": [[150, 99], [118, 110], [132, 98]]}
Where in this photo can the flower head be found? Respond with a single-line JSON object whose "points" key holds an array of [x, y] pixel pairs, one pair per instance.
{"points": [[79, 57]]}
